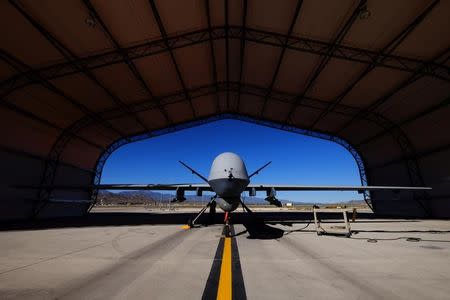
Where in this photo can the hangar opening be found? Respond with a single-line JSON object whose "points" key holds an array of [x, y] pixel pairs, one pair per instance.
{"points": [[297, 159], [76, 84]]}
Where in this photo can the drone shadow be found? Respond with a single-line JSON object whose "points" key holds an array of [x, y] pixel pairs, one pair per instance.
{"points": [[262, 231]]}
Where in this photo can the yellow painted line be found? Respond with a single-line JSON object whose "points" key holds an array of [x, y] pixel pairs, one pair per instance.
{"points": [[185, 227], [224, 291]]}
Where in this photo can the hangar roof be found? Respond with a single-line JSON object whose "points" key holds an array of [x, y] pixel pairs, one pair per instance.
{"points": [[81, 74]]}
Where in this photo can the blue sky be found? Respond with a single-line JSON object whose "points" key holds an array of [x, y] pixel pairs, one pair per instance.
{"points": [[296, 159]]}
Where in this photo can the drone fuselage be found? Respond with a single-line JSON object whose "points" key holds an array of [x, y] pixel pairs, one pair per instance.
{"points": [[228, 178]]}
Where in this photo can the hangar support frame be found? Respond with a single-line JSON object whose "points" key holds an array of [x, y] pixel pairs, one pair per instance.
{"points": [[326, 50], [395, 131], [401, 59], [44, 194], [409, 155], [248, 34], [228, 116]]}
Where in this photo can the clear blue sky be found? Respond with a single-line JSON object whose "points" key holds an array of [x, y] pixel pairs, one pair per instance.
{"points": [[296, 159]]}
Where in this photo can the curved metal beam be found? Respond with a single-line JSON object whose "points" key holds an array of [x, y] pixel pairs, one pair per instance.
{"points": [[326, 58], [419, 155], [11, 106], [17, 64], [242, 33], [63, 140], [250, 119], [227, 53], [314, 103], [242, 53], [443, 104], [281, 56], [388, 49], [408, 150], [72, 58], [163, 32], [213, 54], [132, 67]]}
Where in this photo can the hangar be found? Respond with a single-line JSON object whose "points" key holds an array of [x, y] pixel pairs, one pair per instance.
{"points": [[80, 78]]}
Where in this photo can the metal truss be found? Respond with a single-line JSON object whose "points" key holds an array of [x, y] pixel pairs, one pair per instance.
{"points": [[74, 64], [242, 53], [105, 155], [409, 159], [169, 48], [418, 156], [326, 58], [281, 56], [232, 87], [408, 150], [295, 43], [53, 161], [416, 75], [227, 52], [387, 49], [54, 156], [11, 106], [17, 64], [72, 58], [213, 54], [443, 104], [131, 66]]}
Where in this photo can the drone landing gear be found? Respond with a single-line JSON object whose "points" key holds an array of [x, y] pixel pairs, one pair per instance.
{"points": [[254, 219], [246, 208], [227, 225], [226, 228], [191, 222]]}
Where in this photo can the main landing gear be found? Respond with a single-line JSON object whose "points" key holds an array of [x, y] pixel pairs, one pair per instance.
{"points": [[212, 204]]}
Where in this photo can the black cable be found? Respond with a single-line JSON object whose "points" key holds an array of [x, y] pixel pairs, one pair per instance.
{"points": [[303, 228], [406, 238]]}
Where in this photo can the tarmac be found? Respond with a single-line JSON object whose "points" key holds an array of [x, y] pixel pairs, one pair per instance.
{"points": [[383, 259]]}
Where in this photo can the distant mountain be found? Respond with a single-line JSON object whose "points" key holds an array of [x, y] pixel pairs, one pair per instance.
{"points": [[151, 197], [355, 202]]}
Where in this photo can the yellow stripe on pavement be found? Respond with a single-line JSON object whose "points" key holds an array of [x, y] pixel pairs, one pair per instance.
{"points": [[225, 282]]}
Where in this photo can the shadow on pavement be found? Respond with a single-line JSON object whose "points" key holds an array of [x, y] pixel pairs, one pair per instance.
{"points": [[262, 231], [151, 218]]}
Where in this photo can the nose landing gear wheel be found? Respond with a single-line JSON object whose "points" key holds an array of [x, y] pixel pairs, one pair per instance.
{"points": [[226, 229]]}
